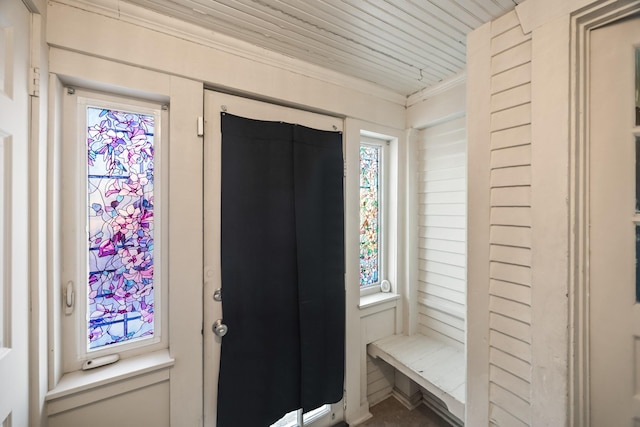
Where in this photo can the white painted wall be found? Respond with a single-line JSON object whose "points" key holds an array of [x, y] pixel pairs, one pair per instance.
{"points": [[508, 201], [102, 414], [435, 120], [541, 343], [380, 380], [527, 236], [510, 225], [39, 225], [478, 192], [159, 43], [171, 61], [368, 323], [437, 215], [441, 251], [436, 142], [144, 377]]}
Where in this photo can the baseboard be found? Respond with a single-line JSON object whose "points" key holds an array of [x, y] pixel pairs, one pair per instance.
{"points": [[378, 397], [410, 403], [361, 419], [439, 408]]}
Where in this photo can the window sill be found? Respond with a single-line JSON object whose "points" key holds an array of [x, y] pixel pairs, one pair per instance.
{"points": [[74, 388], [371, 300]]}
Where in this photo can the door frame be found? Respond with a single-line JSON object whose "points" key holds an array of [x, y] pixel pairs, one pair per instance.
{"points": [[16, 203], [582, 23], [214, 103]]}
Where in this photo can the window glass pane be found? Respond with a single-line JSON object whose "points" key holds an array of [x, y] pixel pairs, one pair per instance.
{"points": [[638, 87], [289, 420], [297, 418], [120, 226], [369, 215], [314, 414]]}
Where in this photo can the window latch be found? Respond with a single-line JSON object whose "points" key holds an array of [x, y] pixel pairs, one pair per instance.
{"points": [[69, 298], [200, 125]]}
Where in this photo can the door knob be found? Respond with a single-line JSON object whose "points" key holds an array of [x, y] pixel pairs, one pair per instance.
{"points": [[219, 328]]}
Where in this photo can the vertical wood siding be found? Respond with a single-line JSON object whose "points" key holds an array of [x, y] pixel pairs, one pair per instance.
{"points": [[510, 235], [442, 231]]}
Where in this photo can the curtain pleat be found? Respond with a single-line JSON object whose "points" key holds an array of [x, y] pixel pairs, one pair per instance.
{"points": [[319, 205], [282, 255]]}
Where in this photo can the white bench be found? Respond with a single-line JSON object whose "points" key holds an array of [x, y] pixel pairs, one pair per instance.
{"points": [[437, 367]]}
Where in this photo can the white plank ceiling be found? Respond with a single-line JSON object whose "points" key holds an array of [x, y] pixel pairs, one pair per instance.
{"points": [[404, 45]]}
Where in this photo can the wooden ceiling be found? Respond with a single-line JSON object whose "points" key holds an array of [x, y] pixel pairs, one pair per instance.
{"points": [[404, 45]]}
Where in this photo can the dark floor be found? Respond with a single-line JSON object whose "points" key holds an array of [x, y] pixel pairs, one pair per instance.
{"points": [[391, 413]]}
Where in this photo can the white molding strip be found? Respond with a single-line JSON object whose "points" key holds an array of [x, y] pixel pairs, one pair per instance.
{"points": [[437, 89], [145, 18], [582, 22], [82, 381]]}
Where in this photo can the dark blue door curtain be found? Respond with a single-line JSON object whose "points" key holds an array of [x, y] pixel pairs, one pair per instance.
{"points": [[282, 253]]}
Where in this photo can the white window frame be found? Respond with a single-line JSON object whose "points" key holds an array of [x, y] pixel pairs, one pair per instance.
{"points": [[74, 325], [383, 143], [298, 419]]}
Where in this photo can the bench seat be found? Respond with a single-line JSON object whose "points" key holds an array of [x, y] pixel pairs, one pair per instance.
{"points": [[432, 364]]}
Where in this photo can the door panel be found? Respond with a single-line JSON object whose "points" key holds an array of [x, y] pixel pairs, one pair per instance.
{"points": [[214, 103], [614, 309], [14, 208]]}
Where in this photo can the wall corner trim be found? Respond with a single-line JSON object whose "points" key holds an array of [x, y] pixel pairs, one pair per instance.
{"points": [[478, 103], [523, 12], [536, 13], [438, 88]]}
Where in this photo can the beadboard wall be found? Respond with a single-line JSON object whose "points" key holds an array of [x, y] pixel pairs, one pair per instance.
{"points": [[441, 293]]}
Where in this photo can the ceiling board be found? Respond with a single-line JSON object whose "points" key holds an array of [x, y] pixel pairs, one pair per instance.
{"points": [[404, 45]]}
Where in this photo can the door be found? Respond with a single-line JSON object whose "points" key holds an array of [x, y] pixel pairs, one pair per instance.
{"points": [[614, 347], [14, 208], [214, 104]]}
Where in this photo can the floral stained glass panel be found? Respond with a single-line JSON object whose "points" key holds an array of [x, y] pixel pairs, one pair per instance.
{"points": [[120, 177], [369, 215]]}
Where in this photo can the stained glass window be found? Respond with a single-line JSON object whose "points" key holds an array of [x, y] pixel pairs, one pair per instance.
{"points": [[369, 215], [120, 177]]}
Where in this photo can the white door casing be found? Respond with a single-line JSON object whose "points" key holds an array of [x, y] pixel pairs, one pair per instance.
{"points": [[614, 339], [214, 103], [14, 213]]}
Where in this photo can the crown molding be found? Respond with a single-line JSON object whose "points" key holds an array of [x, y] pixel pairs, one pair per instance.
{"points": [[137, 15], [437, 89]]}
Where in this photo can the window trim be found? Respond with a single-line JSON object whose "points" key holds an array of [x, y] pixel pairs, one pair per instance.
{"points": [[75, 349], [383, 142]]}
